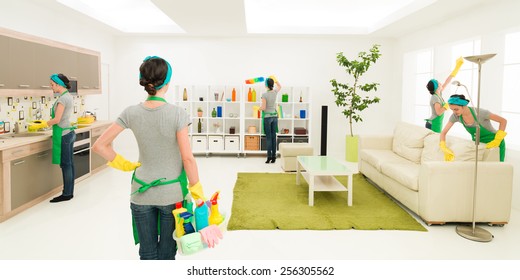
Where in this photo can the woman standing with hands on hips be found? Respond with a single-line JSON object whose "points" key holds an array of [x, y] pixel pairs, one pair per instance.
{"points": [[437, 104], [468, 118], [63, 135], [165, 165], [270, 116]]}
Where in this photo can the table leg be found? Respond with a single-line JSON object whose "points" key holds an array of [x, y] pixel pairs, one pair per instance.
{"points": [[311, 190], [350, 188]]}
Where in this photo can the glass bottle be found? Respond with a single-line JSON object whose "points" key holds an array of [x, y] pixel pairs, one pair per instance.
{"points": [[249, 95], [185, 95], [214, 113], [234, 95], [199, 127], [253, 95]]}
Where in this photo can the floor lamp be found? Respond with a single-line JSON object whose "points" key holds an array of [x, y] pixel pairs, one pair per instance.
{"points": [[473, 232]]}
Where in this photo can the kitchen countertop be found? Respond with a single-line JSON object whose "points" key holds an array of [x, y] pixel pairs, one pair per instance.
{"points": [[8, 143]]}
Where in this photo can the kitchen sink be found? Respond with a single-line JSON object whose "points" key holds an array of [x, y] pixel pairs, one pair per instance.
{"points": [[23, 134]]}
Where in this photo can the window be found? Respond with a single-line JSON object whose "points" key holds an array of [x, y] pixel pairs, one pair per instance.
{"points": [[511, 89], [423, 73], [467, 76]]}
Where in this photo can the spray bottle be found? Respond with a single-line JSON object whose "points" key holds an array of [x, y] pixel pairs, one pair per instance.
{"points": [[179, 221], [201, 215], [215, 218]]}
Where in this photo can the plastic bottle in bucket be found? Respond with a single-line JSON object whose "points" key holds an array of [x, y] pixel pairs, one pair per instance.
{"points": [[215, 217], [201, 215]]}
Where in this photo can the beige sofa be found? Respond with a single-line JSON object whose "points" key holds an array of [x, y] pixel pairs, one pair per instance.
{"points": [[289, 152], [409, 166]]}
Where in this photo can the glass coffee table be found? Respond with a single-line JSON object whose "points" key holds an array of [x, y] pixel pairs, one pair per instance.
{"points": [[319, 172]]}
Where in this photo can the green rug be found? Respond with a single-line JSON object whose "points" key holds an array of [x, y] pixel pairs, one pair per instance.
{"points": [[266, 201]]}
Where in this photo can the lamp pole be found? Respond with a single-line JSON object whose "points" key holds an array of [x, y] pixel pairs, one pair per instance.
{"points": [[476, 233]]}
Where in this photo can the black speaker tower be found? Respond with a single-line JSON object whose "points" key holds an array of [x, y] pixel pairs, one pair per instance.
{"points": [[324, 121]]}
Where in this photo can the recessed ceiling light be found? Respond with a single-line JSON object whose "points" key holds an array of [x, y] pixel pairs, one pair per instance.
{"points": [[326, 16], [130, 16]]}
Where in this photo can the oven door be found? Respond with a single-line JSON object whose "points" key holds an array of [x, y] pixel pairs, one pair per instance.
{"points": [[81, 157]]}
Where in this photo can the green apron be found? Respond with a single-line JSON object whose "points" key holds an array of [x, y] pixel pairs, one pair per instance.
{"points": [[437, 121], [486, 136], [182, 179], [263, 119], [57, 133]]}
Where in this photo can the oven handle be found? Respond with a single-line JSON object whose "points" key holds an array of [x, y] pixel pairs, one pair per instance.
{"points": [[80, 151], [81, 142]]}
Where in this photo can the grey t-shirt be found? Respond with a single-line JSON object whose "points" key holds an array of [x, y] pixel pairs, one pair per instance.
{"points": [[435, 99], [155, 130], [483, 119], [270, 102], [68, 102]]}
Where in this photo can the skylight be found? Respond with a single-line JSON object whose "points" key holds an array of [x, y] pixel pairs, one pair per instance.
{"points": [[130, 16], [326, 16]]}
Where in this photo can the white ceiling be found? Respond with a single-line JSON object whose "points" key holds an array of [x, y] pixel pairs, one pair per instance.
{"points": [[226, 18]]}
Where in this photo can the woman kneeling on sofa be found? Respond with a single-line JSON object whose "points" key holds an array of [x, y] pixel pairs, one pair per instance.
{"points": [[468, 118]]}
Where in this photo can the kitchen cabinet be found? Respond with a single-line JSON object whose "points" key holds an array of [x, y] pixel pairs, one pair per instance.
{"points": [[27, 175], [33, 176], [88, 72], [21, 65], [28, 62], [4, 71]]}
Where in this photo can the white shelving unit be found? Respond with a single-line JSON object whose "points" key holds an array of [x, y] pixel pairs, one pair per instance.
{"points": [[237, 127]]}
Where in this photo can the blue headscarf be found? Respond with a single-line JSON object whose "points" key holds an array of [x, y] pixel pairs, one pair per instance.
{"points": [[168, 74], [55, 78], [435, 84], [455, 100]]}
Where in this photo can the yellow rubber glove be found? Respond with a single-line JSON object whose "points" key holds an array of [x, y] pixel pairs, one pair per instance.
{"points": [[446, 106], [499, 136], [123, 164], [41, 123], [197, 192], [448, 154], [458, 64], [274, 78]]}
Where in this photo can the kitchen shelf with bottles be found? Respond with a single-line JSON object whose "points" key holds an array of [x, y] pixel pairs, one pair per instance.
{"points": [[216, 128]]}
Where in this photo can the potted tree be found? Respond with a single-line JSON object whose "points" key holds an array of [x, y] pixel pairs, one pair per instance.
{"points": [[199, 112], [348, 95]]}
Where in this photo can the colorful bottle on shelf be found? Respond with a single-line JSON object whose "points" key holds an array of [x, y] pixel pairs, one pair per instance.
{"points": [[214, 113], [201, 215], [199, 127], [215, 218], [249, 95], [185, 95], [234, 95], [253, 95]]}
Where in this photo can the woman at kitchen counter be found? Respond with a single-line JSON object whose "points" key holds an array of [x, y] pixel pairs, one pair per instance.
{"points": [[165, 164], [63, 135]]}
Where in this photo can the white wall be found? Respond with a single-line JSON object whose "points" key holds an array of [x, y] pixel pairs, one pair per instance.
{"points": [[489, 22], [297, 61]]}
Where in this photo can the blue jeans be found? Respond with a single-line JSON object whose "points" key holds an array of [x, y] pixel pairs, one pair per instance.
{"points": [[67, 162], [270, 125], [155, 245]]}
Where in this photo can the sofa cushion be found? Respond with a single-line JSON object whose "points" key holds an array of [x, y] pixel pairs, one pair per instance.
{"points": [[376, 157], [463, 149], [409, 141], [406, 173]]}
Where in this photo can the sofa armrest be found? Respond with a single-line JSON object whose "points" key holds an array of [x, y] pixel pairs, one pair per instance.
{"points": [[446, 192], [377, 142]]}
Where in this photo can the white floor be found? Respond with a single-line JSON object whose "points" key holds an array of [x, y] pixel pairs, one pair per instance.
{"points": [[95, 225]]}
